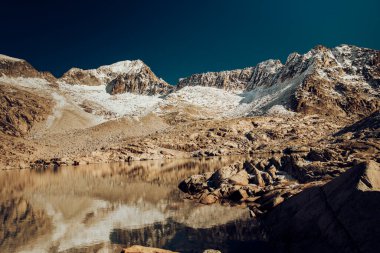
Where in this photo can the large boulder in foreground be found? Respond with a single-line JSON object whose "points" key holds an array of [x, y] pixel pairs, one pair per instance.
{"points": [[341, 216]]}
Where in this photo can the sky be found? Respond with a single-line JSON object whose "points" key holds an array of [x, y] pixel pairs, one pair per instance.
{"points": [[177, 38]]}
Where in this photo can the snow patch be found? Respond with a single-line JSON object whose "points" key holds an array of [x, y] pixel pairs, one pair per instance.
{"points": [[280, 110], [8, 58], [114, 106], [57, 110], [33, 83], [223, 103]]}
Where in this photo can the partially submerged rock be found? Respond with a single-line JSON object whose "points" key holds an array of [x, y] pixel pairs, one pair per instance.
{"points": [[244, 184]]}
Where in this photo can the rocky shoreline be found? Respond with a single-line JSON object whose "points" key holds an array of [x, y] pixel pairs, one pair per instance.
{"points": [[298, 214]]}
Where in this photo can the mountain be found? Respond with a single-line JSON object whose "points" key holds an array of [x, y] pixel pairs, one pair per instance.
{"points": [[339, 81], [342, 81], [13, 68], [125, 76], [239, 79]]}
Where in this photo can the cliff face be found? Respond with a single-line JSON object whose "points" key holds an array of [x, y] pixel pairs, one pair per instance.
{"points": [[228, 80], [144, 82], [120, 77]]}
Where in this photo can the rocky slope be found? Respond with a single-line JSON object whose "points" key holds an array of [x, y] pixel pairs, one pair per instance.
{"points": [[20, 110], [326, 88], [120, 77], [13, 67]]}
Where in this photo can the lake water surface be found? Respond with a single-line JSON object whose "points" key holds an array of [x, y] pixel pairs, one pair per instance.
{"points": [[104, 207]]}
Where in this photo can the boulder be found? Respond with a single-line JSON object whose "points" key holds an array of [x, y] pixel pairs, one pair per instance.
{"points": [[208, 199], [193, 184], [267, 178], [222, 174], [341, 216], [142, 249], [272, 171], [241, 178], [257, 178]]}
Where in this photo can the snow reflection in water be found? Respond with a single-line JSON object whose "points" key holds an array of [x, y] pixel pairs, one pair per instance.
{"points": [[101, 208]]}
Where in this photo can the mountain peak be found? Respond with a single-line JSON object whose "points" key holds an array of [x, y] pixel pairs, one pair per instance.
{"points": [[120, 77], [4, 57]]}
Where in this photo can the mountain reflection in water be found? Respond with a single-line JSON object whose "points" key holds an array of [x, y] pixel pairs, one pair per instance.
{"points": [[104, 207]]}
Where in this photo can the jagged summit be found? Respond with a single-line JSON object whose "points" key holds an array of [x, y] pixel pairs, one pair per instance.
{"points": [[228, 80], [339, 81], [120, 77], [103, 74]]}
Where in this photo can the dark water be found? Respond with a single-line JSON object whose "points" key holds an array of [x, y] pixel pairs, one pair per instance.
{"points": [[102, 208]]}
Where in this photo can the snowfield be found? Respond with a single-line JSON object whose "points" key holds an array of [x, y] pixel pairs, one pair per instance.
{"points": [[110, 106], [215, 102]]}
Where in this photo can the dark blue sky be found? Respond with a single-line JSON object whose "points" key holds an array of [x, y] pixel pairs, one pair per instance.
{"points": [[177, 38]]}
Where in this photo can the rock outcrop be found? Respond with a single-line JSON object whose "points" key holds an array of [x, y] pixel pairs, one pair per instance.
{"points": [[259, 186], [120, 77], [341, 216], [228, 80]]}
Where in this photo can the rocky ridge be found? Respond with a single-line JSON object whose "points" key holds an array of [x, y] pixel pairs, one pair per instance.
{"points": [[344, 80], [13, 67]]}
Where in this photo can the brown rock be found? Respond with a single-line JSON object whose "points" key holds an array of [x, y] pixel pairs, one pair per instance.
{"points": [[208, 199], [223, 174], [267, 178], [241, 178], [258, 179], [142, 249], [272, 171]]}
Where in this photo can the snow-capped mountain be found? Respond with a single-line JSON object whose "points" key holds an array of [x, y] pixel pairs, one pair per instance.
{"points": [[124, 76], [336, 81], [238, 79], [342, 81]]}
